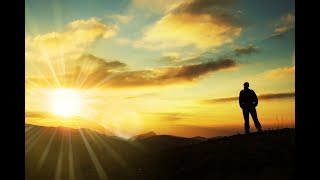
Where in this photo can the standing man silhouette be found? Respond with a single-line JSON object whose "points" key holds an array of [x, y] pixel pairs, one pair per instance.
{"points": [[248, 101]]}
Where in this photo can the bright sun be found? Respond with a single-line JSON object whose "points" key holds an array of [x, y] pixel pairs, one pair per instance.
{"points": [[66, 102]]}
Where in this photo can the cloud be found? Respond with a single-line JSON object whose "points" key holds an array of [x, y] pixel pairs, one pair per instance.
{"points": [[213, 7], [187, 57], [167, 116], [199, 23], [37, 114], [181, 58], [122, 18], [277, 96], [44, 115], [89, 59], [169, 75], [80, 34], [171, 57], [91, 29], [98, 73], [261, 97], [86, 70], [285, 25], [248, 49], [279, 73]]}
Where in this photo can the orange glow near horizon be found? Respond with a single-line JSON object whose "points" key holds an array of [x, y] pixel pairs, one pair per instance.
{"points": [[120, 113]]}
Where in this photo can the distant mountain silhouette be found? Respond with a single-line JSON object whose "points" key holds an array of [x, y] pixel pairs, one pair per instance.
{"points": [[143, 136], [61, 153], [161, 142], [200, 138], [100, 129]]}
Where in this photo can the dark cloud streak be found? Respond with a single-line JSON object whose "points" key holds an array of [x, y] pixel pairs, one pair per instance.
{"points": [[215, 8], [90, 72], [245, 50], [102, 63], [170, 75], [261, 97]]}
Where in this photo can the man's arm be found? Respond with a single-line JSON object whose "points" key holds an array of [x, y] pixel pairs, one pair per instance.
{"points": [[255, 98], [240, 99]]}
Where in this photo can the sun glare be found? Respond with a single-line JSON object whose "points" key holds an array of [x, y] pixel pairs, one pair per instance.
{"points": [[66, 102]]}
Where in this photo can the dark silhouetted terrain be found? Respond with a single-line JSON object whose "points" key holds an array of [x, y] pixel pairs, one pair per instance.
{"points": [[64, 153], [143, 136]]}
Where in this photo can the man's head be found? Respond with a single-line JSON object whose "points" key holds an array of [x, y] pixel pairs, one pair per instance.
{"points": [[246, 85]]}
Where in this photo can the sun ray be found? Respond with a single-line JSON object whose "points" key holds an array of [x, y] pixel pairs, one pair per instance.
{"points": [[27, 129], [84, 73], [48, 60], [83, 78], [41, 75], [70, 158], [31, 135], [46, 151], [102, 174], [32, 141], [80, 76], [113, 153], [34, 84], [58, 171], [106, 79], [53, 72], [39, 90]]}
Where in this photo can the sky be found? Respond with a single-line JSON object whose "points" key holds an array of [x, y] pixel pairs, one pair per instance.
{"points": [[174, 67]]}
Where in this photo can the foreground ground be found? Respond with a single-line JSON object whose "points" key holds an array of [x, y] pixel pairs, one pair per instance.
{"points": [[61, 153]]}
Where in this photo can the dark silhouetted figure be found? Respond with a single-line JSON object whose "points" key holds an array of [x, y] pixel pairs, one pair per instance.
{"points": [[248, 101]]}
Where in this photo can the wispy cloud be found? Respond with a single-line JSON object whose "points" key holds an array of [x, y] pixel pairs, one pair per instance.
{"points": [[37, 114], [285, 25], [180, 58], [244, 50], [268, 96], [277, 73], [166, 116]]}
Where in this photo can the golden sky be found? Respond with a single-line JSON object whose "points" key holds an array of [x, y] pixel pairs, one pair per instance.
{"points": [[133, 66]]}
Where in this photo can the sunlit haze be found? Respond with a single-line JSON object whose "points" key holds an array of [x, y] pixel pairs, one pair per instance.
{"points": [[66, 102]]}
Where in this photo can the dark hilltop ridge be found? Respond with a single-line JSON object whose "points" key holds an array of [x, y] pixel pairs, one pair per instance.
{"points": [[143, 136], [64, 153]]}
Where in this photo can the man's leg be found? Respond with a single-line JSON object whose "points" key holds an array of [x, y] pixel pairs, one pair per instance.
{"points": [[254, 116], [246, 120]]}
